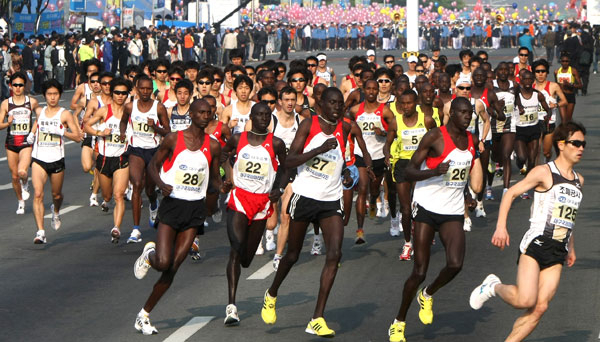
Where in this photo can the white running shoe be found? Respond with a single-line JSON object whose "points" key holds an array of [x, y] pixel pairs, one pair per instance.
{"points": [[467, 225], [276, 260], [407, 251], [40, 237], [217, 216], [153, 214], [55, 218], [104, 206], [142, 264], [135, 237], [260, 250], [386, 208], [316, 246], [94, 201], [380, 212], [21, 208], [484, 291], [115, 234], [270, 241], [395, 226], [143, 325], [479, 211], [25, 190], [231, 317]]}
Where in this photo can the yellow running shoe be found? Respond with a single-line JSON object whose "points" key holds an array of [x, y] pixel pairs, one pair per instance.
{"points": [[268, 310], [396, 332], [317, 326], [426, 311]]}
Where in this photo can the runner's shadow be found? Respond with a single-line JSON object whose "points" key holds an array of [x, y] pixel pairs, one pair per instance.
{"points": [[458, 322], [571, 335]]}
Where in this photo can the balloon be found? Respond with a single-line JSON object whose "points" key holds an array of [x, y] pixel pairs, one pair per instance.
{"points": [[440, 10], [453, 4], [514, 15], [112, 21], [118, 12], [525, 7], [99, 3], [435, 4], [181, 3], [51, 7], [60, 4], [514, 5], [452, 16], [105, 15], [551, 4]]}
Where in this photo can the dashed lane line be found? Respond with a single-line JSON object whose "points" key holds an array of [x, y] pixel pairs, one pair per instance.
{"points": [[189, 329]]}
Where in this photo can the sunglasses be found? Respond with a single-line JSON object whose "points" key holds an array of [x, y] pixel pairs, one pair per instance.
{"points": [[18, 85], [311, 65], [132, 76], [356, 75], [205, 82], [269, 102], [524, 54], [463, 88], [175, 79], [161, 71], [105, 83], [564, 61], [576, 143], [298, 79], [94, 81], [250, 75], [419, 70], [120, 92], [384, 80], [218, 80], [541, 71], [388, 62]]}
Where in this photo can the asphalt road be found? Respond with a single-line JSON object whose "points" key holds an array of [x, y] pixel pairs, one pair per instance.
{"points": [[80, 287]]}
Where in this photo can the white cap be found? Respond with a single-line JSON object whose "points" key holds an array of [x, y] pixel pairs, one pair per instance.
{"points": [[109, 36], [370, 53], [463, 80], [412, 59], [322, 57]]}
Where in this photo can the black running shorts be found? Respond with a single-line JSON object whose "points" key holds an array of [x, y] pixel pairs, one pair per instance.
{"points": [[144, 153], [435, 220], [529, 133], [400, 170], [306, 209], [108, 165], [51, 168], [87, 141], [546, 252], [181, 215]]}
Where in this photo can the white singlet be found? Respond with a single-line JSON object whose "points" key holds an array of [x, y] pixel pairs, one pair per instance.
{"points": [[367, 122], [286, 134], [530, 116], [111, 145], [553, 211], [49, 146], [444, 194], [510, 111], [320, 177], [326, 75], [143, 136], [187, 171], [549, 100], [242, 118], [255, 166]]}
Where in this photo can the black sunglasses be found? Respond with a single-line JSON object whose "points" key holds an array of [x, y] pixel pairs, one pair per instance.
{"points": [[356, 75], [576, 143], [388, 62], [218, 80], [120, 92], [524, 54], [94, 81], [541, 71], [161, 71], [311, 65], [384, 80], [18, 85], [298, 79], [205, 82], [104, 83], [463, 88], [270, 102], [419, 70]]}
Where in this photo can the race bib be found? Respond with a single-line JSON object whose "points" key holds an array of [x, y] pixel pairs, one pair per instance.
{"points": [[114, 139], [322, 166], [530, 116], [472, 126], [253, 170], [20, 127], [189, 180], [411, 138], [457, 174], [142, 129], [49, 139], [368, 125], [509, 107]]}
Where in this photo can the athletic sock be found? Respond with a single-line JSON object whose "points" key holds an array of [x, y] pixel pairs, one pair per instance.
{"points": [[397, 321], [143, 313], [136, 227], [425, 294]]}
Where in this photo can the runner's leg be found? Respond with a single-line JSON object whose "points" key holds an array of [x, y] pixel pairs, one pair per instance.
{"points": [[525, 293], [404, 189], [56, 182], [333, 235], [508, 143], [361, 200], [120, 181], [296, 236], [13, 165], [24, 162], [39, 177], [453, 238], [136, 177], [284, 223]]}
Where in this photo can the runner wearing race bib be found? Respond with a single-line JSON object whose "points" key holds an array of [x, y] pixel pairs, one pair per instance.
{"points": [[548, 242], [168, 97], [179, 117], [18, 110], [238, 112]]}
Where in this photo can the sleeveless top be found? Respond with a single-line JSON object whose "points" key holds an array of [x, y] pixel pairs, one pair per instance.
{"points": [[320, 177], [435, 116], [242, 118], [143, 136], [408, 137], [326, 75], [255, 167], [367, 122], [349, 154], [444, 194], [49, 144], [510, 111], [168, 103], [553, 211], [565, 76], [187, 171], [530, 116], [179, 122], [21, 124], [287, 134], [111, 145], [549, 100], [218, 134]]}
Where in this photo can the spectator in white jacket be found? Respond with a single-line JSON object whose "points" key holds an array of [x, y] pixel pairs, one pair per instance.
{"points": [[135, 49]]}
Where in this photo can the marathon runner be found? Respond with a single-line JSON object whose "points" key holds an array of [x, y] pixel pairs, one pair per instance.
{"points": [[568, 78], [112, 163], [179, 118], [549, 241], [188, 161], [146, 120], [441, 166], [238, 112], [259, 178], [168, 97], [18, 110], [318, 152], [48, 155]]}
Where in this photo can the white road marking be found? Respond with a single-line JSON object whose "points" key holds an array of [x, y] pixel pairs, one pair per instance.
{"points": [[65, 210], [263, 272], [9, 185], [189, 329]]}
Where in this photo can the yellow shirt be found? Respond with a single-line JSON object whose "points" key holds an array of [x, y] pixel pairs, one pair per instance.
{"points": [[408, 138], [435, 115], [85, 52]]}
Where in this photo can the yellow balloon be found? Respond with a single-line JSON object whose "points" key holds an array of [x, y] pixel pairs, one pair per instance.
{"points": [[372, 13], [557, 14], [452, 16], [525, 8], [541, 17], [267, 18], [514, 15], [382, 11], [331, 12], [440, 10], [502, 9], [493, 14]]}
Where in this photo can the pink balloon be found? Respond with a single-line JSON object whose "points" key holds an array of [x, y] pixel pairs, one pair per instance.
{"points": [[51, 7], [105, 15], [60, 4], [99, 3], [112, 21]]}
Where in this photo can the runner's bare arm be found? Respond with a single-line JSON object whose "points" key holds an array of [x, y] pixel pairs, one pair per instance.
{"points": [[73, 132], [281, 177], [392, 128], [3, 112], [295, 156], [165, 125], [165, 149], [100, 115], [429, 146], [77, 96], [125, 119], [215, 165]]}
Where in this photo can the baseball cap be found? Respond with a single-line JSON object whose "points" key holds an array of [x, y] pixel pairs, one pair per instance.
{"points": [[412, 59], [370, 53], [463, 80], [109, 36], [322, 57]]}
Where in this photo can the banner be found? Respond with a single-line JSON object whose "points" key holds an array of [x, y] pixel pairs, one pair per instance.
{"points": [[50, 21], [77, 5]]}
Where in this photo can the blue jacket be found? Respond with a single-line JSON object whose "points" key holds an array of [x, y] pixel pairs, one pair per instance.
{"points": [[342, 32], [445, 31], [468, 31], [506, 30], [332, 32], [354, 32], [107, 55], [368, 30]]}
